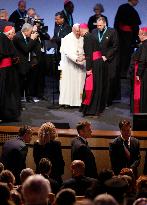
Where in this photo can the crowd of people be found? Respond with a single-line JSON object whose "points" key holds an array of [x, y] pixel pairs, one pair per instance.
{"points": [[91, 59], [120, 184]]}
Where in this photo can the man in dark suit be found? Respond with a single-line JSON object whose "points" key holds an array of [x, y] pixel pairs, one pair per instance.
{"points": [[109, 45], [79, 182], [25, 42], [67, 12], [17, 17], [81, 151], [124, 150], [14, 151], [61, 29]]}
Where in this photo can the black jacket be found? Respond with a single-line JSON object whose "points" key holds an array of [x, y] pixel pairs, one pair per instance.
{"points": [[81, 151]]}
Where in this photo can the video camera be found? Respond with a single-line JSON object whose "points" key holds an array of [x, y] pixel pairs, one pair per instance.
{"points": [[41, 28]]}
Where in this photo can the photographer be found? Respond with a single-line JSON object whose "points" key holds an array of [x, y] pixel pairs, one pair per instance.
{"points": [[38, 55], [25, 42]]}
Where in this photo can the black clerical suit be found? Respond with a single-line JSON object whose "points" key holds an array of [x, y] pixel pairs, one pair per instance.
{"points": [[95, 63], [81, 151], [127, 23], [118, 154], [109, 45], [142, 73]]}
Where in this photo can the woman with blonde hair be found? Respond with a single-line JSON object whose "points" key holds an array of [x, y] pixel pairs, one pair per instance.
{"points": [[48, 147]]}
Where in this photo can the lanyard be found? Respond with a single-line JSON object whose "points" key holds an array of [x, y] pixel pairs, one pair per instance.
{"points": [[101, 37], [21, 15], [69, 18]]}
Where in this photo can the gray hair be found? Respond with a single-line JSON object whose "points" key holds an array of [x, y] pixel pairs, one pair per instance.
{"points": [[100, 6], [26, 27], [36, 189], [105, 199]]}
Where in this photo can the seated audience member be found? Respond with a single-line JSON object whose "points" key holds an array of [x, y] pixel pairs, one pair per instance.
{"points": [[141, 186], [49, 147], [65, 197], [104, 175], [117, 186], [24, 174], [84, 201], [98, 10], [17, 17], [129, 172], [5, 194], [35, 190], [4, 19], [15, 150], [79, 182], [16, 197], [45, 168], [6, 176], [140, 201], [124, 150], [105, 199], [1, 167]]}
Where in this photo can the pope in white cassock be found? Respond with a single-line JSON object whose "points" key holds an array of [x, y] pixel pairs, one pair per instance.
{"points": [[72, 68]]}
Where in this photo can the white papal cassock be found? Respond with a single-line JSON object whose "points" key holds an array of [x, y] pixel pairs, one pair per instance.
{"points": [[73, 75]]}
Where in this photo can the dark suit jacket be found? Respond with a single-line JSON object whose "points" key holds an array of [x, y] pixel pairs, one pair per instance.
{"points": [[53, 152], [66, 18], [81, 151], [118, 157], [61, 32], [80, 184], [23, 50], [109, 47], [17, 18], [93, 19], [14, 154]]}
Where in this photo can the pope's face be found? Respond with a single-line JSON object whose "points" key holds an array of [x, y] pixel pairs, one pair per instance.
{"points": [[76, 31]]}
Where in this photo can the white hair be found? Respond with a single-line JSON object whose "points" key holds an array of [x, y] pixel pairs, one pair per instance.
{"points": [[26, 27]]}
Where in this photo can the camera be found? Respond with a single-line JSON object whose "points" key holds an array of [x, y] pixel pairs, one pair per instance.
{"points": [[41, 28]]}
